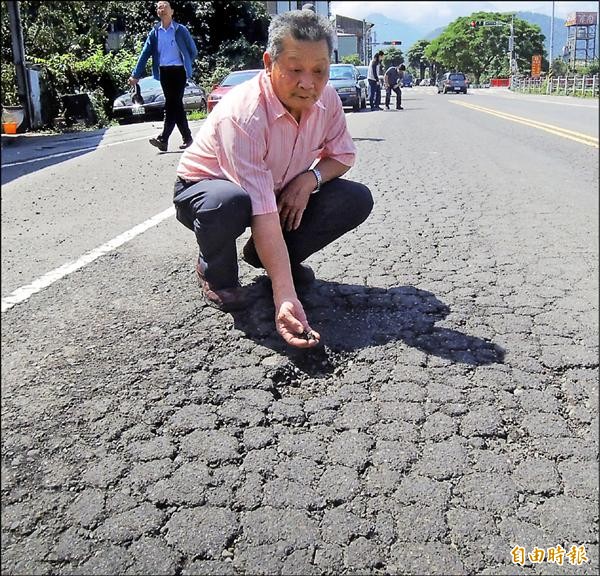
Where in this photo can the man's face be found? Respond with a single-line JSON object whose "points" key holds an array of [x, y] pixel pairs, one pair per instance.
{"points": [[300, 74], [164, 9]]}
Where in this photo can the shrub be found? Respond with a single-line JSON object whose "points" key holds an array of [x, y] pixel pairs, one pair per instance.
{"points": [[9, 86], [351, 59], [209, 79], [103, 76]]}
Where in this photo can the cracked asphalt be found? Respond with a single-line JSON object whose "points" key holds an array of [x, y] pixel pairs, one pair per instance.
{"points": [[450, 416]]}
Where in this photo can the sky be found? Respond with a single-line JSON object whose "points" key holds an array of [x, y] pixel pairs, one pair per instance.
{"points": [[430, 15]]}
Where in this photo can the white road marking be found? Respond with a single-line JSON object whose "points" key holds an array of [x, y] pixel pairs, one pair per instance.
{"points": [[24, 292], [71, 152]]}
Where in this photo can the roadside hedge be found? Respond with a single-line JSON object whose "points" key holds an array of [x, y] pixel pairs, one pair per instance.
{"points": [[103, 76]]}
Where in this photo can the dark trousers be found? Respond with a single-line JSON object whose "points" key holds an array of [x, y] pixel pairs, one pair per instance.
{"points": [[374, 94], [219, 211], [173, 80], [388, 95]]}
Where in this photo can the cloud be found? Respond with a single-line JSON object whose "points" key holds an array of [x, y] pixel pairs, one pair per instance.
{"points": [[429, 15]]}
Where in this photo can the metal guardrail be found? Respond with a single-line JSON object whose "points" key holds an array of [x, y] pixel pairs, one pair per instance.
{"points": [[565, 85]]}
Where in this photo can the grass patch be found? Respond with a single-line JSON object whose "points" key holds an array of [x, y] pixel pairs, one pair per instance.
{"points": [[196, 115]]}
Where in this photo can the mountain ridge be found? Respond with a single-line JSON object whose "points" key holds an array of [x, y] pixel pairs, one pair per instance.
{"points": [[387, 29]]}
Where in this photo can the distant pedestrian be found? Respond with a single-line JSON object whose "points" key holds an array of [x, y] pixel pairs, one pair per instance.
{"points": [[173, 51], [392, 81], [373, 78]]}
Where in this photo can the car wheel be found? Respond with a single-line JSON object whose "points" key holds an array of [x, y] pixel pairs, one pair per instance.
{"points": [[356, 105], [364, 103], [203, 105]]}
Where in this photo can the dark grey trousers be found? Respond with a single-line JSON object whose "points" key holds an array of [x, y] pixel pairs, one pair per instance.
{"points": [[219, 211]]}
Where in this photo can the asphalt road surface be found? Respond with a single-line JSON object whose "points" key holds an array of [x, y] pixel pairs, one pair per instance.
{"points": [[448, 425]]}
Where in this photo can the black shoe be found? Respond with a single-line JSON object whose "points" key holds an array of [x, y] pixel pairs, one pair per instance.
{"points": [[399, 108], [160, 144], [186, 144], [224, 299], [387, 107], [301, 273]]}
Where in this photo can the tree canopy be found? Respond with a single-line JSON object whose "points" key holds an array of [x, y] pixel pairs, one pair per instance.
{"points": [[392, 57], [79, 27], [69, 40], [484, 49], [416, 57]]}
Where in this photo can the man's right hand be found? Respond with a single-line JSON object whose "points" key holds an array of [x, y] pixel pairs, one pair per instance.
{"points": [[292, 325], [132, 81]]}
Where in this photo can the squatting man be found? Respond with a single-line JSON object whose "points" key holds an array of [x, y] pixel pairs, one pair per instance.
{"points": [[270, 157]]}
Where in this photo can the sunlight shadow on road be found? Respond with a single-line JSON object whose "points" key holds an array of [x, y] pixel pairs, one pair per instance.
{"points": [[351, 317]]}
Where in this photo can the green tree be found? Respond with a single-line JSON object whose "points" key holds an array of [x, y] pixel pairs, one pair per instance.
{"points": [[229, 34], [483, 50], [352, 59], [416, 57], [392, 57], [78, 27]]}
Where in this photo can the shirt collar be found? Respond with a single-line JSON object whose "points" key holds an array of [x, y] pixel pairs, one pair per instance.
{"points": [[275, 109], [171, 25]]}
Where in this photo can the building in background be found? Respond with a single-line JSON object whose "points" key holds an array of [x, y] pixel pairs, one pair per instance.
{"points": [[362, 32], [353, 36], [321, 7]]}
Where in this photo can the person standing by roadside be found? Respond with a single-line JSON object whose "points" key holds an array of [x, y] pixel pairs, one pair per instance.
{"points": [[270, 157], [173, 51], [374, 85], [392, 80]]}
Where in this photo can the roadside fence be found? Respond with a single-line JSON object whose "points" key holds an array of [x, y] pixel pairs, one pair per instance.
{"points": [[565, 85]]}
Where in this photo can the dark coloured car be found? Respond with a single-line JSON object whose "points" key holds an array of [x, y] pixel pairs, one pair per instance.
{"points": [[452, 82], [152, 103], [232, 79], [407, 80], [350, 85]]}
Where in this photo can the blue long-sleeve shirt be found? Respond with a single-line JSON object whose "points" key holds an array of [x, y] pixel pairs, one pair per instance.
{"points": [[186, 46]]}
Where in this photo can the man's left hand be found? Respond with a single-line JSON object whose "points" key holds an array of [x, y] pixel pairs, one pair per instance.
{"points": [[293, 199]]}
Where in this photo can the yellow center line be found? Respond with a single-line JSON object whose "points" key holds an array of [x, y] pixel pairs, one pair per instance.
{"points": [[557, 130]]}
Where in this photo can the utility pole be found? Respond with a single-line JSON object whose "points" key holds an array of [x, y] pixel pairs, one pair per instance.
{"points": [[551, 36], [366, 40], [511, 46], [18, 49]]}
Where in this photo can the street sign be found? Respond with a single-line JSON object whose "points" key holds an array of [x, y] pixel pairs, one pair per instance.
{"points": [[536, 65]]}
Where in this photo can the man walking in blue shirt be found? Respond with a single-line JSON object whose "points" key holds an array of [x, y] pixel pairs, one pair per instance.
{"points": [[173, 52]]}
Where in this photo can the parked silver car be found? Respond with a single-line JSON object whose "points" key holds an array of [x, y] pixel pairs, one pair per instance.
{"points": [[452, 82], [126, 107], [349, 84]]}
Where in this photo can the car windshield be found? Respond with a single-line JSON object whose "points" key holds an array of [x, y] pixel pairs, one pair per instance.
{"points": [[340, 73], [238, 77], [363, 70]]}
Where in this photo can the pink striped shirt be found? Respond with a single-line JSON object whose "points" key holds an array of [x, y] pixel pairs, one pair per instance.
{"points": [[252, 140]]}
